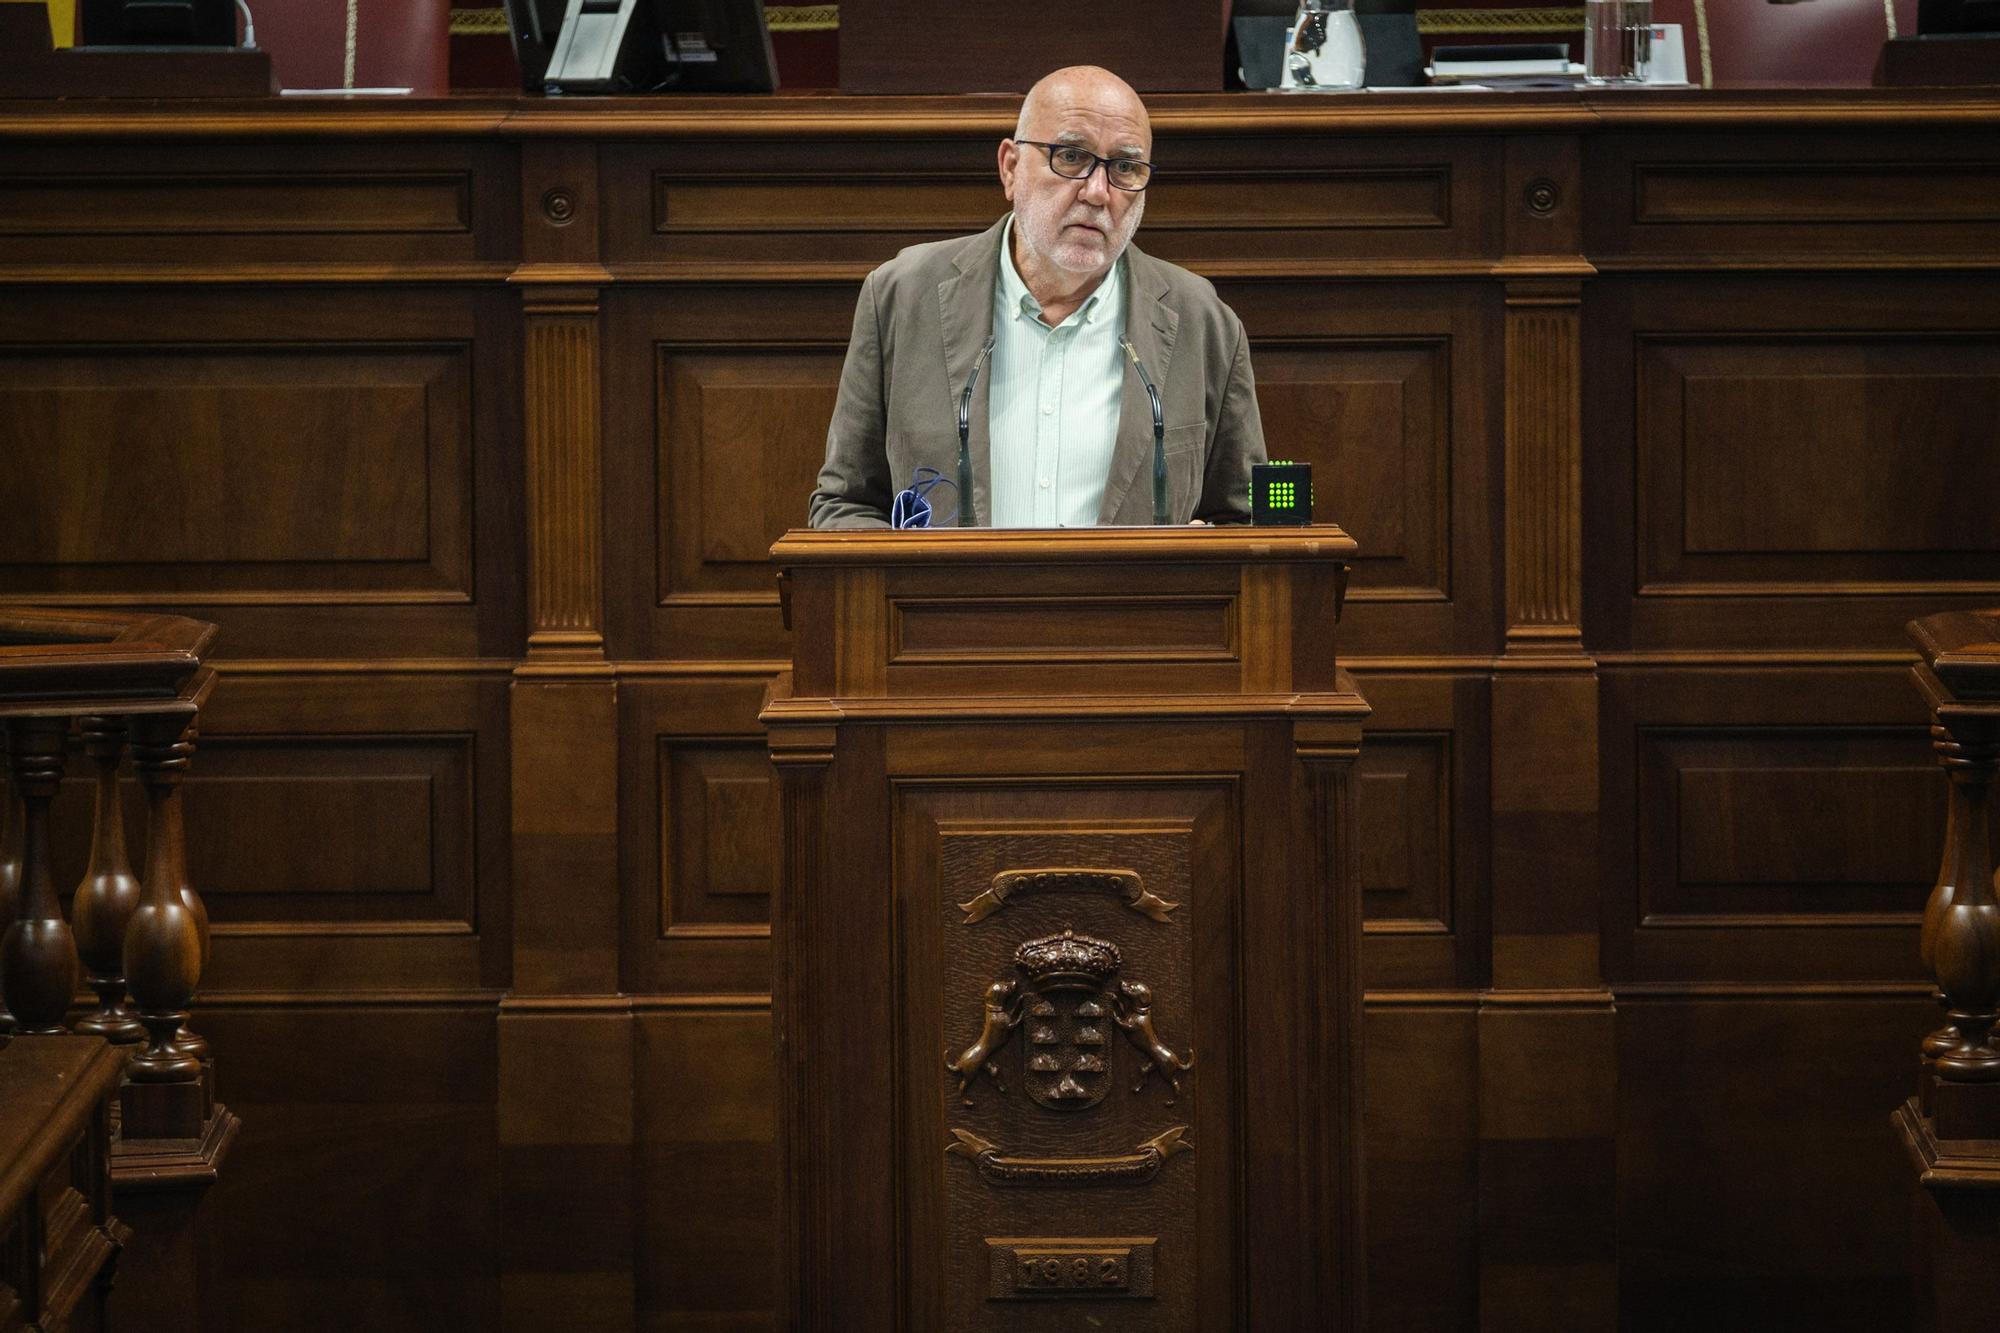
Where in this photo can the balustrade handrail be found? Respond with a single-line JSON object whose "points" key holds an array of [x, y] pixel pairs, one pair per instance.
{"points": [[61, 663]]}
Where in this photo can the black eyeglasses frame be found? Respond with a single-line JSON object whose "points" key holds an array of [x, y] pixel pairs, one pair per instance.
{"points": [[1049, 150]]}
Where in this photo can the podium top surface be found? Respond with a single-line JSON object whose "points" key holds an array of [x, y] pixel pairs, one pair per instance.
{"points": [[1030, 546]]}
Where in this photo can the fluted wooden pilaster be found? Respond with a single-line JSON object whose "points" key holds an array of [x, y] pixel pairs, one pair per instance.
{"points": [[565, 475], [38, 953], [1544, 430], [108, 893]]}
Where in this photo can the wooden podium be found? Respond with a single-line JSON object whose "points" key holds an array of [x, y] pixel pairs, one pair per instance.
{"points": [[1067, 991]]}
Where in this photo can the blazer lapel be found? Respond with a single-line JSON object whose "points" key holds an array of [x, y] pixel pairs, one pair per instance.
{"points": [[965, 319], [1150, 323]]}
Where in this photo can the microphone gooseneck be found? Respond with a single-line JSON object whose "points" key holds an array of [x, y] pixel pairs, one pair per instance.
{"points": [[965, 435], [1159, 434]]}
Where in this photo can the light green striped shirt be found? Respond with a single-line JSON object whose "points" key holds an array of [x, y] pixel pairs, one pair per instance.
{"points": [[1053, 410]]}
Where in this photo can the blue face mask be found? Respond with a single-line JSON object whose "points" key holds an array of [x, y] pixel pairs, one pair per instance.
{"points": [[912, 507]]}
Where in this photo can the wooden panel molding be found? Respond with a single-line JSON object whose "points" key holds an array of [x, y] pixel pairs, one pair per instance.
{"points": [[187, 204], [362, 492], [925, 202], [349, 831], [217, 207], [1373, 417], [1403, 791], [1777, 825], [718, 510], [698, 834], [1765, 192], [718, 819], [1770, 826], [1763, 466]]}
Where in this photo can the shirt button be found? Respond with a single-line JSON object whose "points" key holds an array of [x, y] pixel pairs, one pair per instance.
{"points": [[1045, 483], [1047, 410]]}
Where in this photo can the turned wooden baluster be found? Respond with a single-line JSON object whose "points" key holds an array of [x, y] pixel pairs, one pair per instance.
{"points": [[108, 894], [38, 954], [191, 1041], [12, 813], [1965, 946], [163, 940]]}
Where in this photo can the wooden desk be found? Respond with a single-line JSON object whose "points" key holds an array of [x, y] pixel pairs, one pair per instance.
{"points": [[58, 1239], [1655, 414]]}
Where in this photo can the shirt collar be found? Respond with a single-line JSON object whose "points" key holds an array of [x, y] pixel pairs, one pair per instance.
{"points": [[1022, 302]]}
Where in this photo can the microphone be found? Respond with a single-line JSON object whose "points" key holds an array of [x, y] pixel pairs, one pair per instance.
{"points": [[1159, 434], [964, 433]]}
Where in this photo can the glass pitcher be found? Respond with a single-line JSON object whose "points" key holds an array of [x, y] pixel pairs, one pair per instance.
{"points": [[1325, 52]]}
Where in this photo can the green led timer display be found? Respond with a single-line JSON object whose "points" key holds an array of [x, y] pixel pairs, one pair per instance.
{"points": [[1281, 493]]}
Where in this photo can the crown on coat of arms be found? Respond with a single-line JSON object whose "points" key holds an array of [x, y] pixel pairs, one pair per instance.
{"points": [[1068, 960]]}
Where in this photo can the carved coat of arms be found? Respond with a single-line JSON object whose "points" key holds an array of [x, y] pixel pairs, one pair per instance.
{"points": [[1069, 1000]]}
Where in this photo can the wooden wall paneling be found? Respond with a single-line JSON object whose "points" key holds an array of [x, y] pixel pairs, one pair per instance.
{"points": [[1328, 199], [1421, 788], [707, 1162], [698, 828], [1794, 453], [566, 1043], [700, 205], [559, 281], [1547, 1074], [1766, 824], [566, 1035], [340, 489], [1741, 822], [364, 1191], [223, 206], [299, 784], [1391, 392], [1758, 1185], [1764, 200], [691, 372], [694, 206], [1422, 1126]]}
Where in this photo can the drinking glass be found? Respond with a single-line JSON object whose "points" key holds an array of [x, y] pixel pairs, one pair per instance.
{"points": [[1617, 40]]}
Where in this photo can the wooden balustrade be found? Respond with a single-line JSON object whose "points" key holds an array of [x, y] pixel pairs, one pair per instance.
{"points": [[108, 893], [119, 683], [1951, 1128]]}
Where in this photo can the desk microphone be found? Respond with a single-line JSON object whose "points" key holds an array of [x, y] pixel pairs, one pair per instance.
{"points": [[1159, 434], [964, 434]]}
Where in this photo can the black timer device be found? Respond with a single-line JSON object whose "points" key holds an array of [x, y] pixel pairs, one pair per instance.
{"points": [[1281, 494]]}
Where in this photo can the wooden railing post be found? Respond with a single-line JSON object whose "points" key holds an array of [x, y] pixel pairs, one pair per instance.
{"points": [[1965, 946], [38, 954], [1951, 1128], [163, 946], [108, 893], [12, 836]]}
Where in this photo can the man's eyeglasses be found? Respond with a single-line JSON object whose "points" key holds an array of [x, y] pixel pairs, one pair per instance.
{"points": [[1066, 159]]}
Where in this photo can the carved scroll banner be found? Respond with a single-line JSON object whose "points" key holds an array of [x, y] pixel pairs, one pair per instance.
{"points": [[1133, 1168], [1122, 884]]}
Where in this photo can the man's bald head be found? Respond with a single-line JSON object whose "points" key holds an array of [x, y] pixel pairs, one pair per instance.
{"points": [[1083, 90], [1070, 228]]}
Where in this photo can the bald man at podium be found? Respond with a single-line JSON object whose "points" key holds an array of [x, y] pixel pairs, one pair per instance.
{"points": [[1078, 334]]}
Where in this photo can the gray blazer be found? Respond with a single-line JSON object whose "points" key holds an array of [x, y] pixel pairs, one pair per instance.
{"points": [[918, 327]]}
